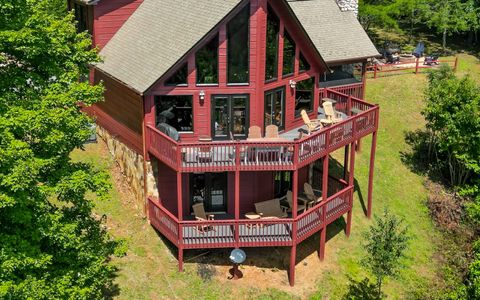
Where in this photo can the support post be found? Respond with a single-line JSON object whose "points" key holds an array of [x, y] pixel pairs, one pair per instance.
{"points": [[237, 207], [416, 65], [293, 259], [374, 71], [370, 174], [351, 183], [323, 232], [345, 162], [295, 195], [455, 64], [180, 218], [364, 80]]}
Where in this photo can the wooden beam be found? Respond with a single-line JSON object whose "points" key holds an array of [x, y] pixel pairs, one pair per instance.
{"points": [[293, 259], [323, 232], [370, 174], [351, 182]]}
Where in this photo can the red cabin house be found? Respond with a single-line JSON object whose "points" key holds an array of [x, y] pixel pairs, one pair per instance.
{"points": [[207, 105]]}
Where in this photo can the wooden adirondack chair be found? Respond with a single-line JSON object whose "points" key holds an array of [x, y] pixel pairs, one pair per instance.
{"points": [[312, 125]]}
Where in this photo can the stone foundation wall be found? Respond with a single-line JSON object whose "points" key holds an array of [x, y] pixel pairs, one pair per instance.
{"points": [[348, 5], [131, 165]]}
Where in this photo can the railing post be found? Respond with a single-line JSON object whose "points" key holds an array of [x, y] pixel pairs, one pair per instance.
{"points": [[374, 71], [416, 65], [351, 183], [349, 105], [237, 208], [455, 64], [324, 200]]}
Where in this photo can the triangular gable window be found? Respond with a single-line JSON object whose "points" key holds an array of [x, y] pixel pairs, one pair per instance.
{"points": [[288, 55], [180, 77], [206, 60], [273, 28], [304, 65]]}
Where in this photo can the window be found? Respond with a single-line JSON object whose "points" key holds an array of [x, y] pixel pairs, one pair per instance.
{"points": [[211, 190], [282, 183], [288, 55], [238, 47], [175, 111], [180, 77], [304, 95], [273, 28], [81, 17], [275, 107], [207, 63], [303, 65]]}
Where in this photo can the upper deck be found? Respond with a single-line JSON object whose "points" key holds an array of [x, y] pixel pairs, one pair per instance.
{"points": [[289, 153]]}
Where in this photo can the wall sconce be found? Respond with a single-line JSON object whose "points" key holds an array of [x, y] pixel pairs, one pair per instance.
{"points": [[293, 84], [202, 96]]}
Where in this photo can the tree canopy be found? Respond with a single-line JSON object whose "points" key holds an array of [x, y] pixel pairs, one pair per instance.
{"points": [[51, 244]]}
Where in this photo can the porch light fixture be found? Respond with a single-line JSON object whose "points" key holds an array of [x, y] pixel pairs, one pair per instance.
{"points": [[293, 84], [202, 96]]}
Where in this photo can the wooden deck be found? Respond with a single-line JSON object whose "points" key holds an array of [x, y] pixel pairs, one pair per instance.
{"points": [[361, 119], [249, 233]]}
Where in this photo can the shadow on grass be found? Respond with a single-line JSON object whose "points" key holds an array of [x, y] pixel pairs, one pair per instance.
{"points": [[361, 290], [111, 291], [418, 158]]}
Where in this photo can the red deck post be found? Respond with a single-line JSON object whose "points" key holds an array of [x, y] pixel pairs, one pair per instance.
{"points": [[345, 161], [351, 182], [237, 206], [323, 232], [370, 174], [293, 260], [374, 71], [180, 218], [364, 80]]}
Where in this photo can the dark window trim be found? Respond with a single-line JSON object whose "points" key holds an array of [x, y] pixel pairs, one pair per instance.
{"points": [[217, 36], [285, 35], [249, 52], [208, 181], [180, 84], [283, 89], [270, 9], [156, 97], [212, 113], [312, 103]]}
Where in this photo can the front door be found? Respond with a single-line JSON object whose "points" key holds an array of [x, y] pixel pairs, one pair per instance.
{"points": [[211, 190], [229, 116], [275, 108]]}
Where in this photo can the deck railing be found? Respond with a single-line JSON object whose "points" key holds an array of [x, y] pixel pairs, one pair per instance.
{"points": [[249, 233], [354, 89], [268, 155]]}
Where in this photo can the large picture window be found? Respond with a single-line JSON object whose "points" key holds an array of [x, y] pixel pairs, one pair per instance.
{"points": [[304, 95], [288, 55], [175, 111], [238, 47], [273, 28], [303, 64], [207, 63]]}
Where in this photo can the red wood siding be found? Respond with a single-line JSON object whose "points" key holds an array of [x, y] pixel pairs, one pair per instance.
{"points": [[257, 86], [167, 187], [109, 16], [121, 113]]}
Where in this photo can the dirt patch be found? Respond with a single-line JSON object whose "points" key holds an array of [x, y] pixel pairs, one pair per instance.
{"points": [[446, 209]]}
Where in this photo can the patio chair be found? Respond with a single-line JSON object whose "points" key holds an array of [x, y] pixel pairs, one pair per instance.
{"points": [[271, 132], [312, 125], [332, 115], [254, 132], [271, 208], [311, 193], [200, 215], [300, 207]]}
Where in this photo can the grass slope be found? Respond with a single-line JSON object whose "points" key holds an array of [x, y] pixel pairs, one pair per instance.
{"points": [[149, 271]]}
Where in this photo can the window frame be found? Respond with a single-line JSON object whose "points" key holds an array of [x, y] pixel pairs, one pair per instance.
{"points": [[185, 64], [284, 103], [217, 38], [247, 6], [277, 46], [312, 100], [156, 101], [285, 35]]}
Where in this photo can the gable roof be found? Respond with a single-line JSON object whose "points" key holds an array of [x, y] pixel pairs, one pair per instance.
{"points": [[157, 35], [337, 35]]}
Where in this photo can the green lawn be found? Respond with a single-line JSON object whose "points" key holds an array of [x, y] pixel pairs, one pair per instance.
{"points": [[149, 271]]}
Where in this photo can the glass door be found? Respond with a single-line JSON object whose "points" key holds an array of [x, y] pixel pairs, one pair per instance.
{"points": [[211, 190], [229, 116], [275, 108]]}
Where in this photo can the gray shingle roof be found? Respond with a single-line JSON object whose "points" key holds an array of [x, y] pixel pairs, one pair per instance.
{"points": [[157, 35], [337, 35]]}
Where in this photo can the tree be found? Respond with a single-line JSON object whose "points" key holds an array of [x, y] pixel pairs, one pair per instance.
{"points": [[51, 245], [452, 113], [385, 245], [449, 16], [380, 13]]}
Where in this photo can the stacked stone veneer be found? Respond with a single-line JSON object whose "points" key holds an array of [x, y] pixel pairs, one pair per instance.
{"points": [[348, 5], [131, 165]]}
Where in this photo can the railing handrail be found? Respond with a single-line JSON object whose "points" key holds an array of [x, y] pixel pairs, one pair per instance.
{"points": [[164, 210]]}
